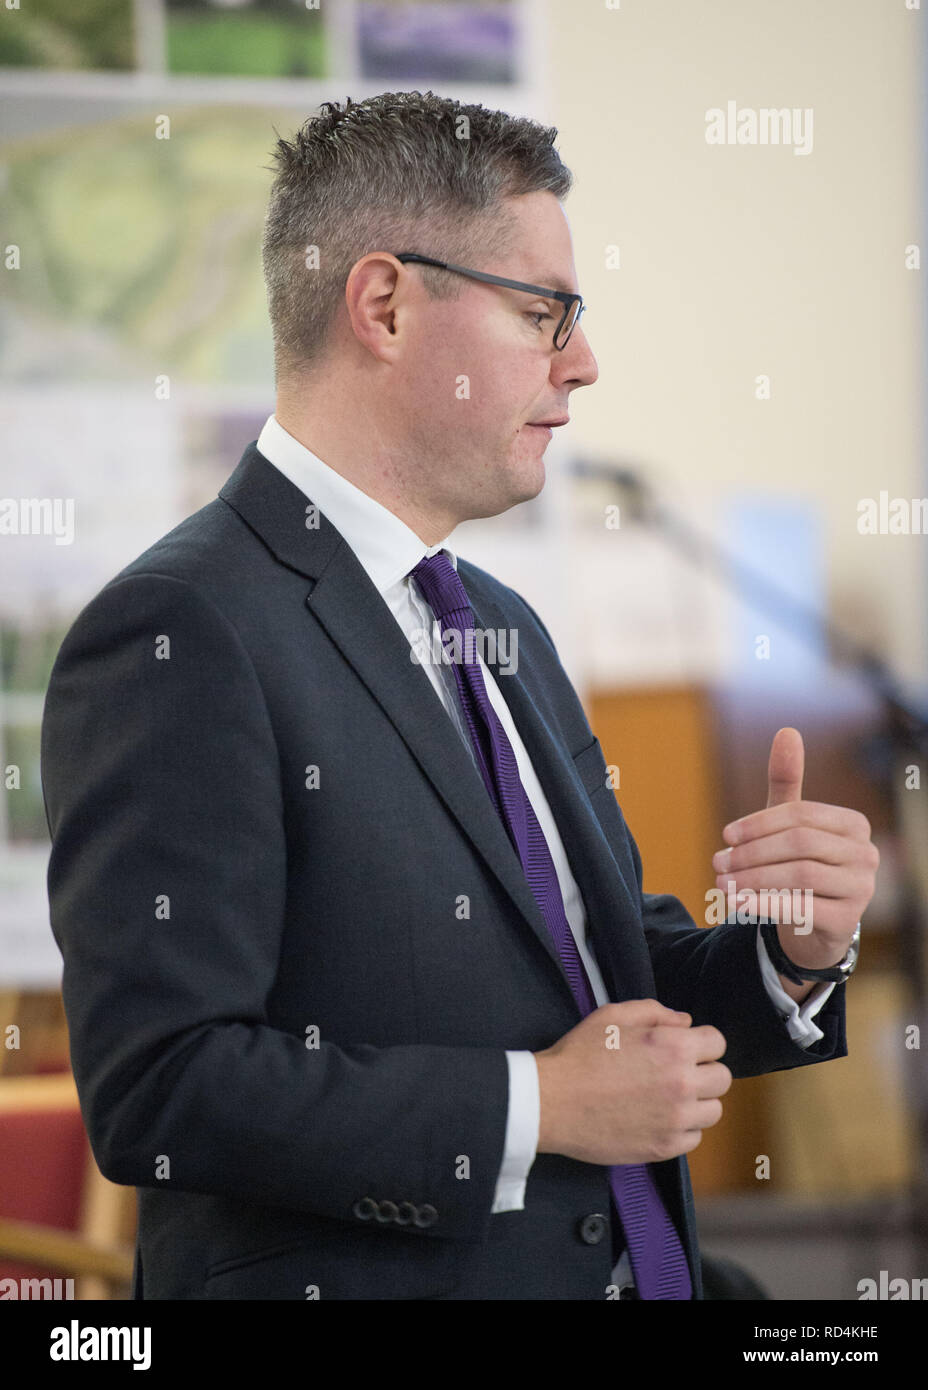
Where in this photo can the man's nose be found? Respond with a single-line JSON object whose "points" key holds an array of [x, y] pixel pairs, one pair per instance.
{"points": [[577, 365]]}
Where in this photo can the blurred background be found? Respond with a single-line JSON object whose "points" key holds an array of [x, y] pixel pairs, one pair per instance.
{"points": [[732, 536]]}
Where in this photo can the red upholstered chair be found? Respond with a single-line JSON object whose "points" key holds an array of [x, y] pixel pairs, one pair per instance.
{"points": [[59, 1217]]}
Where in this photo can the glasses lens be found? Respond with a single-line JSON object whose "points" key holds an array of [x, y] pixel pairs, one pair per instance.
{"points": [[569, 324]]}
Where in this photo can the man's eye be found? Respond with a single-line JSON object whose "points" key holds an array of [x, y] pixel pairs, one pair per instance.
{"points": [[538, 316]]}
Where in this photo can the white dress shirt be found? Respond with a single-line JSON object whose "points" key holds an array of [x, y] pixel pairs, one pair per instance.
{"points": [[388, 549]]}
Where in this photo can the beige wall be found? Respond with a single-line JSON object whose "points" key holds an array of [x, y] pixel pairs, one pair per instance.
{"points": [[741, 260]]}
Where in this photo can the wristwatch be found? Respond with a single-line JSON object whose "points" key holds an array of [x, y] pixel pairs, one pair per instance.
{"points": [[801, 974]]}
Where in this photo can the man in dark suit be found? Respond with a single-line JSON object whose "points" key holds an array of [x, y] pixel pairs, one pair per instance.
{"points": [[364, 993]]}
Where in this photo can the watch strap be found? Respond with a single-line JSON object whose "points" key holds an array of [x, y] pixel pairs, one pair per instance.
{"points": [[801, 974]]}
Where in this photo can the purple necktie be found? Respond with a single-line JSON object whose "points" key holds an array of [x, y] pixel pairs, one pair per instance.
{"points": [[657, 1257]]}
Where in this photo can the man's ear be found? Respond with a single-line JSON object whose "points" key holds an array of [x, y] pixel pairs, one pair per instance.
{"points": [[378, 297]]}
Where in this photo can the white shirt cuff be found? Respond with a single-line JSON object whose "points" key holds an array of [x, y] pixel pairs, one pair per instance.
{"points": [[797, 1017], [522, 1121]]}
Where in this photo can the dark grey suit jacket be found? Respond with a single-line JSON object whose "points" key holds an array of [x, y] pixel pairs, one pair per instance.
{"points": [[211, 907]]}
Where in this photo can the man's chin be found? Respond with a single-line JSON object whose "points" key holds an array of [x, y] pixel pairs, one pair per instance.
{"points": [[523, 492], [524, 480], [534, 490], [533, 477], [526, 484]]}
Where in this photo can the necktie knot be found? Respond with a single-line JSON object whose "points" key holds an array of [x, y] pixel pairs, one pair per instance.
{"points": [[442, 587]]}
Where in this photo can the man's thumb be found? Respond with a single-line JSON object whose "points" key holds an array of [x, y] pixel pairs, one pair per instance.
{"points": [[785, 768]]}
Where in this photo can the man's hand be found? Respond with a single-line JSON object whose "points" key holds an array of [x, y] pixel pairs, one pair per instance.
{"points": [[631, 1083], [821, 855]]}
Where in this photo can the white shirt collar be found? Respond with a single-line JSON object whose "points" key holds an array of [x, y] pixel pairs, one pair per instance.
{"points": [[386, 547]]}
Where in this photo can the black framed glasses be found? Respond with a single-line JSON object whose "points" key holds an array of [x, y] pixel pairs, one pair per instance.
{"points": [[573, 303]]}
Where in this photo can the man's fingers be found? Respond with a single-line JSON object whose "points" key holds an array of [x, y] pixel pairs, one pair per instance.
{"points": [[713, 1079], [645, 1013], [783, 846], [710, 1044], [840, 820]]}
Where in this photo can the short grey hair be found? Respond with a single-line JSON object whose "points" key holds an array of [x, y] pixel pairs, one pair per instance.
{"points": [[403, 171]]}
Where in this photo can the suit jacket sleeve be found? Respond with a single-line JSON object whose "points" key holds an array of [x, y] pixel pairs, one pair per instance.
{"points": [[167, 883]]}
